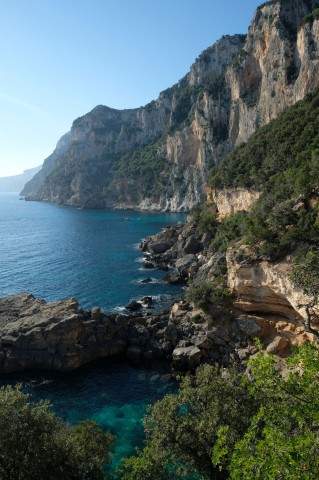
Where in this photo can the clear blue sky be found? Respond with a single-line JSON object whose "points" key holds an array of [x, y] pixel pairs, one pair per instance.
{"points": [[61, 58]]}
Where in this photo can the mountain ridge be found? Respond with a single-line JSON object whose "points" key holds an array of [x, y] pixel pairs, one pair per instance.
{"points": [[157, 157]]}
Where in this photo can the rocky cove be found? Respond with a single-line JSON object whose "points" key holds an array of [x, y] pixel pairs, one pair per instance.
{"points": [[61, 336]]}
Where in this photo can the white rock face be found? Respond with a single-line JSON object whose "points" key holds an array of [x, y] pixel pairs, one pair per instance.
{"points": [[265, 287], [229, 201], [234, 87]]}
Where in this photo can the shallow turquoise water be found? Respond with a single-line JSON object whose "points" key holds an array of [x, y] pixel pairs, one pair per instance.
{"points": [[111, 392], [54, 253]]}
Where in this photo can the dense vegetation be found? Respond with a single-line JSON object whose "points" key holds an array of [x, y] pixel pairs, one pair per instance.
{"points": [[224, 425], [281, 160], [35, 444], [140, 173]]}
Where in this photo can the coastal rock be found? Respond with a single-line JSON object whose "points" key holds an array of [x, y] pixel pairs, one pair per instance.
{"points": [[186, 357], [58, 335], [133, 306]]}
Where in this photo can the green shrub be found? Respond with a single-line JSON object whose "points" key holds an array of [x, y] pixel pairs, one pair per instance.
{"points": [[199, 294], [35, 444]]}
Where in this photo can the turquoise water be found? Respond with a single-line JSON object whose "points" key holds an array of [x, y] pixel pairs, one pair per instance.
{"points": [[54, 253], [111, 392]]}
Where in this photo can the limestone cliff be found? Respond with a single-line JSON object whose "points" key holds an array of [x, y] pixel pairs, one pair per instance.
{"points": [[39, 177], [157, 157]]}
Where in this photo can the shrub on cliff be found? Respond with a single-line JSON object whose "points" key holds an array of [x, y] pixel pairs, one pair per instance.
{"points": [[207, 295], [36, 444], [281, 160], [204, 217]]}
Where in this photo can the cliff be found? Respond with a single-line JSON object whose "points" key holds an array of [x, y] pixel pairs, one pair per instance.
{"points": [[157, 157], [15, 183], [36, 180]]}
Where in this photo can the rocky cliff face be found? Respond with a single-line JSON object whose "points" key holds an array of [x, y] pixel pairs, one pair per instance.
{"points": [[34, 182], [157, 157]]}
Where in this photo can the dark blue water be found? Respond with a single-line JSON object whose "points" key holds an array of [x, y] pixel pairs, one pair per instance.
{"points": [[54, 253]]}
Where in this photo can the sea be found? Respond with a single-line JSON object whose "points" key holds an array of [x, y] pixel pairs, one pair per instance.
{"points": [[56, 252]]}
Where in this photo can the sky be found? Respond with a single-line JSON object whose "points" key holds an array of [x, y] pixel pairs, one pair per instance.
{"points": [[61, 58]]}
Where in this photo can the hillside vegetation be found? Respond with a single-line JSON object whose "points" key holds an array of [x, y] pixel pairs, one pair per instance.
{"points": [[281, 160]]}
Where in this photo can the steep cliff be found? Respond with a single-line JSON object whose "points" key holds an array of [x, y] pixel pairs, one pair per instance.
{"points": [[157, 157], [34, 182]]}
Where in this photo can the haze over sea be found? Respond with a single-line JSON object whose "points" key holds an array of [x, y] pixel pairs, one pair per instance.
{"points": [[55, 252]]}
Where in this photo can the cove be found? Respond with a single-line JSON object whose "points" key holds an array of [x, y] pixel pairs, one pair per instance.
{"points": [[55, 252], [112, 392]]}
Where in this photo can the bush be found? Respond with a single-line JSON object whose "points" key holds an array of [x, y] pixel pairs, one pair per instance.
{"points": [[204, 216], [35, 444], [199, 294], [182, 428]]}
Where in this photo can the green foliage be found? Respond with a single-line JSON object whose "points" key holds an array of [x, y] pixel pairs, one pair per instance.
{"points": [[281, 160], [260, 426], [140, 173], [282, 440], [228, 230], [35, 444], [218, 87], [270, 2], [306, 273], [181, 429], [199, 294], [205, 218], [314, 15], [285, 145]]}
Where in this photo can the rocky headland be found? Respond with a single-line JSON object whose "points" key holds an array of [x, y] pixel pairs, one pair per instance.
{"points": [[157, 157]]}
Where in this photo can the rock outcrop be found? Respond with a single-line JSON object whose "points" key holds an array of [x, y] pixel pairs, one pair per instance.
{"points": [[157, 157], [264, 301], [34, 182], [54, 336], [60, 336]]}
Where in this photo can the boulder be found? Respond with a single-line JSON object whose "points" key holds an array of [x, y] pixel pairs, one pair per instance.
{"points": [[147, 301], [192, 245], [187, 357], [173, 278], [170, 333], [183, 264], [148, 264], [133, 306], [159, 247], [249, 326], [277, 345]]}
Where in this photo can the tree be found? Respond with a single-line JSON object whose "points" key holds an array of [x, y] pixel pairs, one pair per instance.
{"points": [[36, 444], [182, 428], [306, 275], [282, 441]]}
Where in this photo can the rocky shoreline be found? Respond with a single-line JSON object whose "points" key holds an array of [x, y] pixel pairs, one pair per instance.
{"points": [[60, 336]]}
